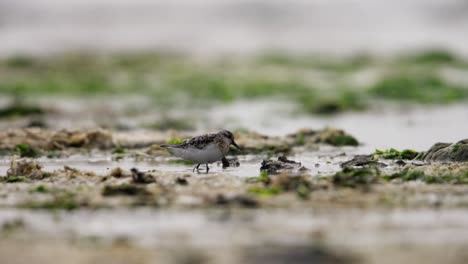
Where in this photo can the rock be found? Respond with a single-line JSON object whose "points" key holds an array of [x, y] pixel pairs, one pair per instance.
{"points": [[142, 177], [119, 173], [231, 162], [446, 152], [181, 181], [281, 165], [362, 161]]}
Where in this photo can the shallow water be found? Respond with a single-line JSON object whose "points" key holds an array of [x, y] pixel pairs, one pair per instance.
{"points": [[322, 162], [415, 127]]}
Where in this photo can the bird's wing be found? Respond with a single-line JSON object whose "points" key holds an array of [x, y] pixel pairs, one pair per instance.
{"points": [[200, 141], [195, 142]]}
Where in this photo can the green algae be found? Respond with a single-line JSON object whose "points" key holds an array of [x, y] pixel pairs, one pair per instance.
{"points": [[392, 153], [123, 189], [421, 87], [61, 200], [433, 56], [169, 78], [266, 149], [18, 109], [119, 150], [27, 151], [264, 191], [342, 100], [172, 123], [264, 177], [13, 179], [342, 140], [283, 183], [356, 178], [416, 175], [315, 61], [181, 162], [40, 189], [175, 141]]}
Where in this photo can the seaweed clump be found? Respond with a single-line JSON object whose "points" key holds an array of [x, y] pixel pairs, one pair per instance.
{"points": [[19, 109], [61, 200], [99, 138], [124, 189], [330, 136], [281, 165], [407, 175], [406, 154], [26, 168], [274, 185], [142, 177], [418, 87], [25, 150], [356, 178]]}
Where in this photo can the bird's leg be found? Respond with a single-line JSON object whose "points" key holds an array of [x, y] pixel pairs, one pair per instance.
{"points": [[196, 168], [207, 168]]}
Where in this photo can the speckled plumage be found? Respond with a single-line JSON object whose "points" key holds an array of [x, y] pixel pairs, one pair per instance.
{"points": [[204, 149]]}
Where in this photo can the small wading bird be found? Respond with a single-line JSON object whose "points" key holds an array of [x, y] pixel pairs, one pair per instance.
{"points": [[204, 149]]}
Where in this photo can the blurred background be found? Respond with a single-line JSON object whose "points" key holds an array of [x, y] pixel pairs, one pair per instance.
{"points": [[307, 63], [90, 88], [226, 26], [316, 63]]}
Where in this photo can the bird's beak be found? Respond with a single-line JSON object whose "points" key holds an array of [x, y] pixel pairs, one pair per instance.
{"points": [[235, 145]]}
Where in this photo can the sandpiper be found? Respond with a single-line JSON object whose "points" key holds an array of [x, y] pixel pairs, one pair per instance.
{"points": [[204, 149]]}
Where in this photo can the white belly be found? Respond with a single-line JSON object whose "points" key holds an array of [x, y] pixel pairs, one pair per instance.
{"points": [[209, 154]]}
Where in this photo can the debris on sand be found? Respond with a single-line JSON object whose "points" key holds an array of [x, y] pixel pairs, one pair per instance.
{"points": [[356, 178], [100, 138], [43, 139], [446, 152], [18, 109], [255, 143], [299, 254], [72, 173], [61, 200], [239, 200], [142, 177], [406, 154], [453, 173], [119, 173], [362, 161], [299, 184], [230, 162], [25, 150], [181, 181], [124, 189], [156, 151], [330, 136], [33, 137], [281, 165], [26, 168], [284, 182]]}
